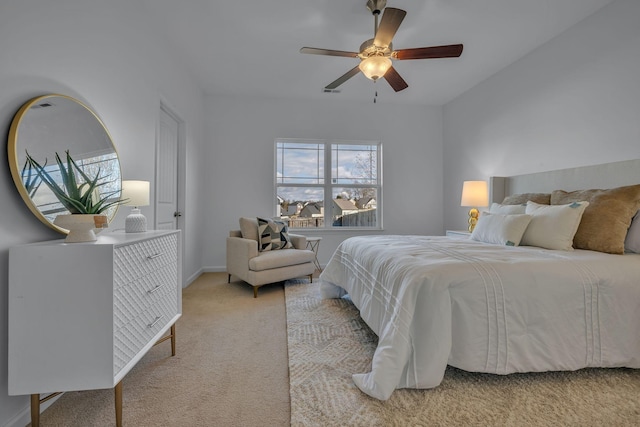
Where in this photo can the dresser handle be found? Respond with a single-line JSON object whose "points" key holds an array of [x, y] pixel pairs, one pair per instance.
{"points": [[157, 288], [155, 322], [154, 256]]}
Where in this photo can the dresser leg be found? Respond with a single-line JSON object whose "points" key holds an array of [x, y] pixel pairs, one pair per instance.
{"points": [[118, 399], [173, 339], [35, 410]]}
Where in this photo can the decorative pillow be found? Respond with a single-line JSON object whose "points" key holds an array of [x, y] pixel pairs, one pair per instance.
{"points": [[249, 228], [272, 235], [606, 221], [553, 227], [521, 199], [500, 229], [497, 208], [632, 241]]}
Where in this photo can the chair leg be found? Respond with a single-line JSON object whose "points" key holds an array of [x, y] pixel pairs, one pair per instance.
{"points": [[255, 291], [229, 279], [310, 278]]}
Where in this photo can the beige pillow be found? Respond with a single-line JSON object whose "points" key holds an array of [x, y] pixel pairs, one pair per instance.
{"points": [[522, 199], [249, 228], [605, 222]]}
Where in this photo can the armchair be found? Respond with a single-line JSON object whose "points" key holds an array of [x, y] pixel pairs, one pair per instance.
{"points": [[246, 262]]}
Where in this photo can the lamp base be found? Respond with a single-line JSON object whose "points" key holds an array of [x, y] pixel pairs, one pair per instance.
{"points": [[135, 222], [473, 218]]}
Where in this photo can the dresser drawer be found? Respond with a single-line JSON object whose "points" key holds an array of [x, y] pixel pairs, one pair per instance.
{"points": [[139, 259], [133, 336], [133, 298]]}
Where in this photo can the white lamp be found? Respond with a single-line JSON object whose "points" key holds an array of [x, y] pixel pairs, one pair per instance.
{"points": [[375, 67], [474, 194], [136, 194]]}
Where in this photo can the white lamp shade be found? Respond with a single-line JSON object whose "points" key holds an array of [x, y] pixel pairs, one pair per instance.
{"points": [[375, 67], [475, 193], [136, 193]]}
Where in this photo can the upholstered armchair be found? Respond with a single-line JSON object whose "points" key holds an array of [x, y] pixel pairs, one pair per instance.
{"points": [[264, 255]]}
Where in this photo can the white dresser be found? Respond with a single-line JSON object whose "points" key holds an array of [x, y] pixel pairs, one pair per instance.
{"points": [[81, 315]]}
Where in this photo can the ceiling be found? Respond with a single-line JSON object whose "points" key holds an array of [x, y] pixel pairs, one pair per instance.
{"points": [[251, 47]]}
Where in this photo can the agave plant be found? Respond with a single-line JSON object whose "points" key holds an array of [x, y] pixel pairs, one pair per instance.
{"points": [[30, 179], [77, 192]]}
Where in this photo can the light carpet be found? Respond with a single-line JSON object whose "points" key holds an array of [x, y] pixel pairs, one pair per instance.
{"points": [[328, 341]]}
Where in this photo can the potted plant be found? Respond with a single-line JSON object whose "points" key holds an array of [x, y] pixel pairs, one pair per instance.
{"points": [[79, 194]]}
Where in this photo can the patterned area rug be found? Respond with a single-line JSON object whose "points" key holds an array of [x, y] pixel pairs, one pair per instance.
{"points": [[328, 342]]}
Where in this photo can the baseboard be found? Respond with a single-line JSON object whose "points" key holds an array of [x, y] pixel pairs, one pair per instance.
{"points": [[192, 278]]}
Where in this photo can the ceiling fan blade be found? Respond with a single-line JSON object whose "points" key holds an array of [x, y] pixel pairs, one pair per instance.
{"points": [[394, 80], [352, 72], [391, 20], [449, 51], [328, 52]]}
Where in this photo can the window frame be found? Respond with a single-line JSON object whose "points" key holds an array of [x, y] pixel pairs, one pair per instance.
{"points": [[328, 186]]}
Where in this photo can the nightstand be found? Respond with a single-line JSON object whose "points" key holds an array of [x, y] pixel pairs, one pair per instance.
{"points": [[460, 234]]}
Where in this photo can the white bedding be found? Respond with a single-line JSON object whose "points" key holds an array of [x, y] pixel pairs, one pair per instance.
{"points": [[434, 301]]}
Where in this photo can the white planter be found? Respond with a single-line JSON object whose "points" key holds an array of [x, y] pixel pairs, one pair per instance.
{"points": [[82, 227]]}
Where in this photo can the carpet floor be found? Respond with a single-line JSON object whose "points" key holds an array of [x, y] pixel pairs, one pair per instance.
{"points": [[230, 367], [328, 342]]}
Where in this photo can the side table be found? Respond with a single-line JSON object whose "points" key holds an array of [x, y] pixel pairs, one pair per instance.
{"points": [[463, 234], [313, 244]]}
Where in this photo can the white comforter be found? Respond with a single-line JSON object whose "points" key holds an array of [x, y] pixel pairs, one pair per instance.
{"points": [[434, 301]]}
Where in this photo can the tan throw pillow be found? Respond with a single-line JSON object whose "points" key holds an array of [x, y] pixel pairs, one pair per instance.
{"points": [[606, 220], [249, 228], [522, 199]]}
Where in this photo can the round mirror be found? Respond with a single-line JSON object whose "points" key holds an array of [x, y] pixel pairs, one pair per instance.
{"points": [[54, 124]]}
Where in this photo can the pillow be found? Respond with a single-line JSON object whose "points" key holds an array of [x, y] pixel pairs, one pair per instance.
{"points": [[272, 235], [497, 208], [632, 241], [500, 229], [249, 228], [521, 199], [606, 221], [553, 227]]}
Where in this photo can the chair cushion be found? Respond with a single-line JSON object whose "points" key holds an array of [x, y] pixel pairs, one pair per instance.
{"points": [[282, 258], [249, 228], [272, 235]]}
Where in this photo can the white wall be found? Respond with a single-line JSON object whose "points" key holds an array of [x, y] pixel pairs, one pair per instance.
{"points": [[240, 151], [574, 101], [105, 57]]}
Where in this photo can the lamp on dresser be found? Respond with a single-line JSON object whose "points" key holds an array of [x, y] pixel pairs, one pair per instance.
{"points": [[136, 194], [475, 194]]}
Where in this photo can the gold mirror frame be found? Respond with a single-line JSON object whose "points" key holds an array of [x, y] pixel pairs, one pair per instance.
{"points": [[39, 127]]}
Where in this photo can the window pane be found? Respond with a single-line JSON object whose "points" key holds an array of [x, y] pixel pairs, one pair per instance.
{"points": [[354, 207], [301, 207], [299, 163], [354, 164]]}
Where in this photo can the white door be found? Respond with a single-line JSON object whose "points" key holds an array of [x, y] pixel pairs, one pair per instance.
{"points": [[167, 210]]}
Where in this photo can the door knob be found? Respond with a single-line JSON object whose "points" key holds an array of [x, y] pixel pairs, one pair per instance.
{"points": [[177, 214]]}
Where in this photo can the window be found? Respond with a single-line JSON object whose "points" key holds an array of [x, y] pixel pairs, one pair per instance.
{"points": [[345, 173]]}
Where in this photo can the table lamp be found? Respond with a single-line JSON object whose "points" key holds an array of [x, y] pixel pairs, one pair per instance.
{"points": [[136, 194], [474, 194]]}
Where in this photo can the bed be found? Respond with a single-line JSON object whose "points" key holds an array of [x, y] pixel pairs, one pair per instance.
{"points": [[487, 306]]}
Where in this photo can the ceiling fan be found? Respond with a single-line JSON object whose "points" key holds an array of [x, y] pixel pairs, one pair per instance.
{"points": [[375, 54]]}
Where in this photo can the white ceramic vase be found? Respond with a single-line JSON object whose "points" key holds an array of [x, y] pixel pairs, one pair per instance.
{"points": [[82, 227]]}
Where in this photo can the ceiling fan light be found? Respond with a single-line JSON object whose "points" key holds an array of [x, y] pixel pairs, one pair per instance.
{"points": [[375, 67]]}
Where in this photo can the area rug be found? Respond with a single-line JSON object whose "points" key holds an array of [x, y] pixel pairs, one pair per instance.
{"points": [[328, 342]]}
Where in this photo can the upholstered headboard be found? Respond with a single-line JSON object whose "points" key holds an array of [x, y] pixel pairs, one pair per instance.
{"points": [[606, 175]]}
